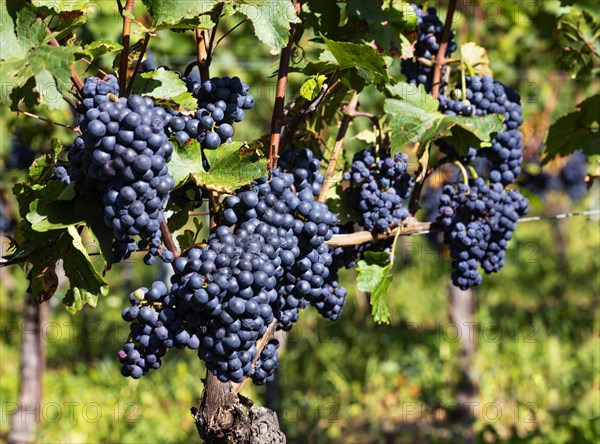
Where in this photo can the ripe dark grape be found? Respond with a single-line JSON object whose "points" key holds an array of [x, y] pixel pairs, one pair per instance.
{"points": [[122, 154], [267, 259], [267, 363], [427, 46], [485, 96], [221, 102], [378, 189], [478, 221], [572, 176]]}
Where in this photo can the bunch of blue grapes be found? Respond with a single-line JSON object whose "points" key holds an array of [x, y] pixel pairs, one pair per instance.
{"points": [[427, 46], [122, 154], [266, 364], [156, 325], [95, 92], [301, 220], [378, 189], [571, 178], [485, 96], [21, 155], [573, 174], [221, 102], [306, 169], [266, 260], [478, 220]]}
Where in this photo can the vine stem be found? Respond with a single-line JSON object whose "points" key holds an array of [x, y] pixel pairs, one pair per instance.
{"points": [[409, 227], [125, 39], [339, 145], [43, 119], [282, 79], [138, 65], [168, 239], [204, 57], [440, 58]]}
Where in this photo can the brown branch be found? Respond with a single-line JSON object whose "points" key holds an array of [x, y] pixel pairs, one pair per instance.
{"points": [[138, 64], [125, 39], [282, 78], [409, 227], [100, 70], [339, 144], [168, 239], [43, 119], [204, 57], [440, 58]]}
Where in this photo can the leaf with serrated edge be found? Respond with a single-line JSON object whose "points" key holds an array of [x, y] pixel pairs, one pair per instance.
{"points": [[167, 89], [411, 124], [99, 48], [375, 279], [86, 283], [271, 20], [579, 130], [312, 86], [232, 166]]}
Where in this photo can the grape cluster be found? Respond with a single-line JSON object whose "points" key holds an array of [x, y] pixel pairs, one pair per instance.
{"points": [[572, 176], [378, 188], [95, 92], [266, 260], [427, 46], [21, 154], [221, 102], [123, 153], [266, 364], [485, 96], [478, 221], [306, 169], [155, 327]]}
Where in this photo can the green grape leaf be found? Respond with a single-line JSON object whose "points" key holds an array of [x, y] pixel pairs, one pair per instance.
{"points": [[312, 86], [416, 119], [580, 43], [186, 160], [375, 277], [62, 5], [232, 166], [86, 283], [271, 20], [98, 48], [579, 130], [29, 56], [362, 59], [167, 89], [385, 22], [175, 14]]}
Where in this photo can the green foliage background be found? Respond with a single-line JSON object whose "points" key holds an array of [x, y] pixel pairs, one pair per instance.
{"points": [[537, 334]]}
